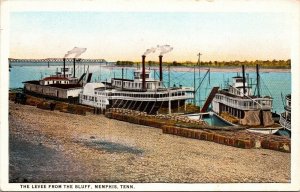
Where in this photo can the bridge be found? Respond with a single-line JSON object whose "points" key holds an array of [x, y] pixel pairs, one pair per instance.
{"points": [[55, 60]]}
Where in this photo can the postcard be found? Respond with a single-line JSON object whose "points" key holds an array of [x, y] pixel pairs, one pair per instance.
{"points": [[131, 95]]}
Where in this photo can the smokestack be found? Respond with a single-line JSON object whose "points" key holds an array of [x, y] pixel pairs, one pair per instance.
{"points": [[258, 80], [74, 67], [160, 68], [122, 77], [64, 67], [143, 73], [244, 87]]}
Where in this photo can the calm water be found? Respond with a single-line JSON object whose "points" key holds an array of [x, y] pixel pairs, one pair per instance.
{"points": [[271, 83], [212, 120], [215, 121]]}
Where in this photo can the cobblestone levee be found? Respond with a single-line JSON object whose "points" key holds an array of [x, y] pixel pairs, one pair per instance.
{"points": [[51, 146]]}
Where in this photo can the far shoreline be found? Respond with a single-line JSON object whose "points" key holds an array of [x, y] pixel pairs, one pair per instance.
{"points": [[213, 69], [187, 69]]}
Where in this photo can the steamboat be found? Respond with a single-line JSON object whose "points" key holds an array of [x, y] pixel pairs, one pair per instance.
{"points": [[62, 86], [142, 93], [238, 103]]}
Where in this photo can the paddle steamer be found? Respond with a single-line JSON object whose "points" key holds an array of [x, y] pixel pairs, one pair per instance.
{"points": [[141, 93], [238, 102]]}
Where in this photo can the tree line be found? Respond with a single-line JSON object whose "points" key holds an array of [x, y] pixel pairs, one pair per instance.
{"points": [[262, 63]]}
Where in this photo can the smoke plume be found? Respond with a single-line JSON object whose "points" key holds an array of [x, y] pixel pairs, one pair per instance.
{"points": [[151, 50], [76, 51], [164, 49]]}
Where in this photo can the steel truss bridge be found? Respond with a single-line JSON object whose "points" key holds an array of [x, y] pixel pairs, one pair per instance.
{"points": [[55, 60]]}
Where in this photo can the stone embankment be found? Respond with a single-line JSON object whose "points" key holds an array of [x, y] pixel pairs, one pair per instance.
{"points": [[176, 125], [136, 116], [52, 147], [54, 105], [172, 124]]}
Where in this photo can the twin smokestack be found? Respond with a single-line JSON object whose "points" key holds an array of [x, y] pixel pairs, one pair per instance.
{"points": [[64, 70], [144, 73]]}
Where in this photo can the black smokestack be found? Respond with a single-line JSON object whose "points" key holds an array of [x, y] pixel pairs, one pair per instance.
{"points": [[64, 67], [74, 67], [143, 73], [122, 77], [160, 68], [244, 79], [258, 80]]}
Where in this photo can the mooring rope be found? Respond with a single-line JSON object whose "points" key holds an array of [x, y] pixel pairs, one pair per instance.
{"points": [[139, 106], [114, 103], [146, 106], [134, 104], [152, 108], [125, 104], [120, 103], [160, 106], [129, 104]]}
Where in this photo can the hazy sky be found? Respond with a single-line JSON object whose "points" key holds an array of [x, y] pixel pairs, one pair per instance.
{"points": [[125, 36]]}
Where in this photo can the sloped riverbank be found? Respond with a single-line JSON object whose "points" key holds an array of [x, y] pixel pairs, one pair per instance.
{"points": [[51, 146]]}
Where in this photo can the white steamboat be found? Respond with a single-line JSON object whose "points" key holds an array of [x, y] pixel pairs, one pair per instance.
{"points": [[141, 93], [239, 103]]}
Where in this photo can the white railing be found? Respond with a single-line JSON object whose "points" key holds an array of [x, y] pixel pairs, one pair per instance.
{"points": [[256, 100], [151, 98], [184, 92], [285, 124], [239, 103]]}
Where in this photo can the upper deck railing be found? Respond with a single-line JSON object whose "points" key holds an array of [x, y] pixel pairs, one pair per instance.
{"points": [[165, 95], [245, 103]]}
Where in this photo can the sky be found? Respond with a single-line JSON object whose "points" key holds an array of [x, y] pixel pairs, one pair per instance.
{"points": [[126, 35]]}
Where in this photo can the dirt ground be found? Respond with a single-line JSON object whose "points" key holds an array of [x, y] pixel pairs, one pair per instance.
{"points": [[51, 146]]}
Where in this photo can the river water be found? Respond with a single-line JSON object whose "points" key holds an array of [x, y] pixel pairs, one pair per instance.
{"points": [[272, 83]]}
